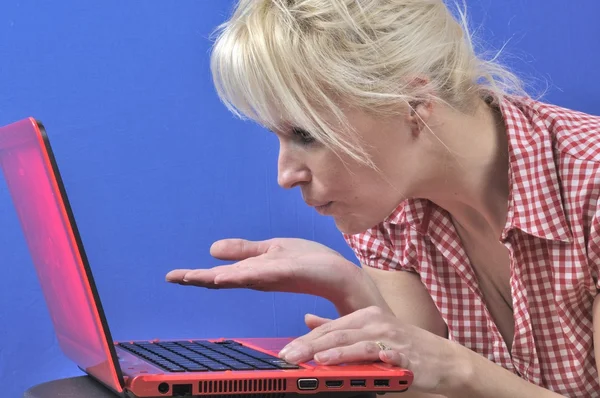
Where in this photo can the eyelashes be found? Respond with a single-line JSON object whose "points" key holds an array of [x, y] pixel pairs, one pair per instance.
{"points": [[303, 136], [297, 134]]}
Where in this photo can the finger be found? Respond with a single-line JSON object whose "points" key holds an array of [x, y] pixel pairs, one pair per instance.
{"points": [[355, 320], [238, 249], [362, 351], [196, 277], [334, 340], [176, 276], [257, 275], [395, 358], [313, 321], [181, 277]]}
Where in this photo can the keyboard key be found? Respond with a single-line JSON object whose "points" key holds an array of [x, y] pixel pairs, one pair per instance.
{"points": [[212, 365], [175, 369], [196, 368], [281, 364], [251, 356], [152, 358]]}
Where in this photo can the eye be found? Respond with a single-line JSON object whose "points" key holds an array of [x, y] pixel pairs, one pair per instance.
{"points": [[304, 136]]}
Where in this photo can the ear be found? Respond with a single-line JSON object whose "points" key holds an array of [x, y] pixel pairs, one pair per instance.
{"points": [[419, 115]]}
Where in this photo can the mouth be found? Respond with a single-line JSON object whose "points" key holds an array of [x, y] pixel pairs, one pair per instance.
{"points": [[324, 208]]}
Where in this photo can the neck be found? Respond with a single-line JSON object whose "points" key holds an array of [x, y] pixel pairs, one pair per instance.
{"points": [[472, 177]]}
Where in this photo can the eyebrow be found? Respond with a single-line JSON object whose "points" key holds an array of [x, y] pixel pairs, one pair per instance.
{"points": [[286, 129], [297, 129]]}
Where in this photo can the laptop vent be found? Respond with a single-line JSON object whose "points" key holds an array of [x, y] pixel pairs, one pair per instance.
{"points": [[242, 386], [259, 395]]}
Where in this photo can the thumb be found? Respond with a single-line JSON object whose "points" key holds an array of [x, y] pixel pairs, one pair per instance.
{"points": [[238, 249], [314, 321]]}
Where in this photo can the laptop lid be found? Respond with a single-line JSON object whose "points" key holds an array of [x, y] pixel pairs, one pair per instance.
{"points": [[39, 196]]}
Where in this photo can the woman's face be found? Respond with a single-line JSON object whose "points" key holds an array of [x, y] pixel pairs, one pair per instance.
{"points": [[356, 195]]}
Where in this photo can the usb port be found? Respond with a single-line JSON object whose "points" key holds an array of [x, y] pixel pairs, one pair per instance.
{"points": [[382, 383], [358, 383], [334, 383]]}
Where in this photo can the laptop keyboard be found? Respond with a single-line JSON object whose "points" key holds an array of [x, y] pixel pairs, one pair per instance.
{"points": [[204, 356]]}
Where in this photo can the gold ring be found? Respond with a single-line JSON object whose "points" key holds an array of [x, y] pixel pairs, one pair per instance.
{"points": [[381, 346]]}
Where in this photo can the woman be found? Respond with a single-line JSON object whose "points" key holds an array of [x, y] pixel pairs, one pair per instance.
{"points": [[472, 208]]}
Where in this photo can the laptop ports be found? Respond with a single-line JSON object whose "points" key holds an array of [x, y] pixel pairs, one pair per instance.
{"points": [[334, 383], [163, 388], [382, 383], [308, 384], [182, 390], [358, 383]]}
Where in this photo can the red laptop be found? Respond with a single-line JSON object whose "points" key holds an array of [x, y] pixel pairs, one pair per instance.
{"points": [[191, 367]]}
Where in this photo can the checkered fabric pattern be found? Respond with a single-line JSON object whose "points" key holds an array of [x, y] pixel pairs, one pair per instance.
{"points": [[552, 233]]}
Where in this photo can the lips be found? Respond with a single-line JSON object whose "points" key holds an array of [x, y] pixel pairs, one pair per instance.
{"points": [[324, 209], [317, 204]]}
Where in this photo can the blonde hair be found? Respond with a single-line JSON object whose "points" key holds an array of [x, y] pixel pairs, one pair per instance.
{"points": [[290, 62]]}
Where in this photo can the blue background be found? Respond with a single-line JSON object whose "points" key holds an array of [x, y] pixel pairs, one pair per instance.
{"points": [[157, 169]]}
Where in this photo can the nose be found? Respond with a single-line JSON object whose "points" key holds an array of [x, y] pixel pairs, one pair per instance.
{"points": [[291, 169]]}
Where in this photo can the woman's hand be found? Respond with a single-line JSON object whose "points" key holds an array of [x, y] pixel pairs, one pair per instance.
{"points": [[285, 265], [370, 335]]}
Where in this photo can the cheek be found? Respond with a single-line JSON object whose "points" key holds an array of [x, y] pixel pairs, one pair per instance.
{"points": [[362, 185], [351, 182], [329, 169], [374, 197]]}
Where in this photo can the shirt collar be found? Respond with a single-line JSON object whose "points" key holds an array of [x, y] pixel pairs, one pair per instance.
{"points": [[535, 201]]}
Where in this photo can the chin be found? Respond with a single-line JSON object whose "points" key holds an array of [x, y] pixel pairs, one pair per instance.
{"points": [[352, 226]]}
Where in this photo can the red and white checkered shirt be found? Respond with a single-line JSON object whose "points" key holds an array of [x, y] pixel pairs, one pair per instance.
{"points": [[553, 235]]}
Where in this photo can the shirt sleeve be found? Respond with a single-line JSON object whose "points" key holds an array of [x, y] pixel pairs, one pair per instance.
{"points": [[385, 248]]}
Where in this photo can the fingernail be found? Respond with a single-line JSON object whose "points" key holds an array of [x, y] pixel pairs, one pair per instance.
{"points": [[284, 351], [323, 357], [293, 356]]}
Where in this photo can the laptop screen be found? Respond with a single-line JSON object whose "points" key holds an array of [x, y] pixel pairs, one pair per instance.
{"points": [[45, 215]]}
